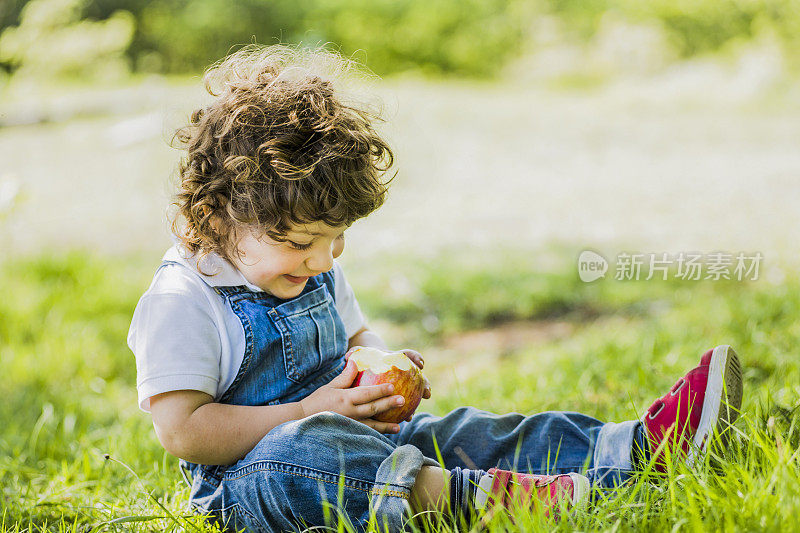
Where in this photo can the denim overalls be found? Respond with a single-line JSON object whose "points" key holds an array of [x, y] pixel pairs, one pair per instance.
{"points": [[327, 467]]}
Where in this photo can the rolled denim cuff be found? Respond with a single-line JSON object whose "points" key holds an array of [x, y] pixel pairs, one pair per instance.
{"points": [[612, 453], [394, 481], [613, 449]]}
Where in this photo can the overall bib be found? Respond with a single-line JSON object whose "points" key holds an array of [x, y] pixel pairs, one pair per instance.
{"points": [[327, 467]]}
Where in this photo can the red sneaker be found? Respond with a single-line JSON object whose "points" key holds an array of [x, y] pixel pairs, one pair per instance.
{"points": [[505, 488], [705, 400]]}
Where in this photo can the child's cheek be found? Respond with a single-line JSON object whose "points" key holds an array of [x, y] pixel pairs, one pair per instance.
{"points": [[338, 248], [265, 278]]}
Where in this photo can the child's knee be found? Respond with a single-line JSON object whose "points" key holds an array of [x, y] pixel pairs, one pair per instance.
{"points": [[312, 430], [324, 423], [327, 423]]}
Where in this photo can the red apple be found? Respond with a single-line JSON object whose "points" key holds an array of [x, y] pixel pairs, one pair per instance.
{"points": [[376, 367]]}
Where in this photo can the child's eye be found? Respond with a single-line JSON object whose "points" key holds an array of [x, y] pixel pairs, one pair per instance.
{"points": [[298, 246]]}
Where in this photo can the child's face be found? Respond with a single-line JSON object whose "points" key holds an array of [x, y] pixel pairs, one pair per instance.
{"points": [[282, 268]]}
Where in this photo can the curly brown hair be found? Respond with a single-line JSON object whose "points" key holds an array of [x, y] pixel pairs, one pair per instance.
{"points": [[277, 147]]}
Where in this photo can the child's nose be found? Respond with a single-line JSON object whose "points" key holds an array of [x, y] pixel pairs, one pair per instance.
{"points": [[320, 261]]}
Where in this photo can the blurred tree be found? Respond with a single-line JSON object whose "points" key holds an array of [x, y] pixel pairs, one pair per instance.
{"points": [[465, 37], [9, 12], [582, 16], [449, 37], [51, 41], [185, 36], [9, 16], [696, 26], [469, 37]]}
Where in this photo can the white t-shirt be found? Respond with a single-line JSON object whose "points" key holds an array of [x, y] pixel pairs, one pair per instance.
{"points": [[185, 336]]}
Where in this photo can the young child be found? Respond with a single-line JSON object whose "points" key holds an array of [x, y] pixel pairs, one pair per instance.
{"points": [[240, 340]]}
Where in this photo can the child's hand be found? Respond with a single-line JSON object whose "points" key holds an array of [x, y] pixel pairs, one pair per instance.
{"points": [[417, 358], [414, 356], [359, 403]]}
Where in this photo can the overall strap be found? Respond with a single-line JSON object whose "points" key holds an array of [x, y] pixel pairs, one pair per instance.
{"points": [[234, 290]]}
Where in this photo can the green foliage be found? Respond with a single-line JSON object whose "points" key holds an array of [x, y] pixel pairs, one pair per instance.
{"points": [[441, 37], [704, 26], [448, 37], [465, 37], [69, 386], [582, 16], [469, 38], [178, 36], [53, 42], [693, 26], [9, 12]]}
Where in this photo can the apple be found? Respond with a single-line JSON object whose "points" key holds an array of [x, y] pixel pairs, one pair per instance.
{"points": [[376, 367]]}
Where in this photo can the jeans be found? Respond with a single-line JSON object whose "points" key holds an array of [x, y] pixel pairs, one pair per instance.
{"points": [[327, 467]]}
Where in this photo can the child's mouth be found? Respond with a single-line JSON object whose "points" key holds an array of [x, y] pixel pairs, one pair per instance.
{"points": [[295, 279]]}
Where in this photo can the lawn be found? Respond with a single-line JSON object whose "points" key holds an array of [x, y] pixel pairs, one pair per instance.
{"points": [[76, 454]]}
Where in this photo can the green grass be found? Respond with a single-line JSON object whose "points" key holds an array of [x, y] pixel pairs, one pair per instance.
{"points": [[68, 392]]}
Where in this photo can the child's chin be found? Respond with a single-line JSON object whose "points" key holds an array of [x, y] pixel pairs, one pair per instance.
{"points": [[290, 291]]}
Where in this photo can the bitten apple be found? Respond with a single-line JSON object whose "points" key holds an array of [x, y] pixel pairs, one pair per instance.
{"points": [[376, 367]]}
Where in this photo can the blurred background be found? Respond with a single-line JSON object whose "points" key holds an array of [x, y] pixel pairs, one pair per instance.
{"points": [[524, 132], [658, 126]]}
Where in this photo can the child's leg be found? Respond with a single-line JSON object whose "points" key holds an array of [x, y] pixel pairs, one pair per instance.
{"points": [[705, 400], [546, 443], [431, 490], [463, 493], [318, 471]]}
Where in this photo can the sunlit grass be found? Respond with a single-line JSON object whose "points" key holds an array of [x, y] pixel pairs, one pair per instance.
{"points": [[69, 398]]}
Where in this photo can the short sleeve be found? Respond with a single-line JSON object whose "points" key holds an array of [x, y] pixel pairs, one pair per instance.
{"points": [[176, 344], [346, 303]]}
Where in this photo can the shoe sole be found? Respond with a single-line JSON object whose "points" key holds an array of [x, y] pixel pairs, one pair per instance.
{"points": [[722, 401], [580, 489]]}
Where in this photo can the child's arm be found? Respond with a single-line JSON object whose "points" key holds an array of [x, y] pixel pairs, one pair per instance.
{"points": [[190, 425]]}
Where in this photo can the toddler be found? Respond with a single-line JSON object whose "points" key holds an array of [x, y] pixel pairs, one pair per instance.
{"points": [[240, 340]]}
